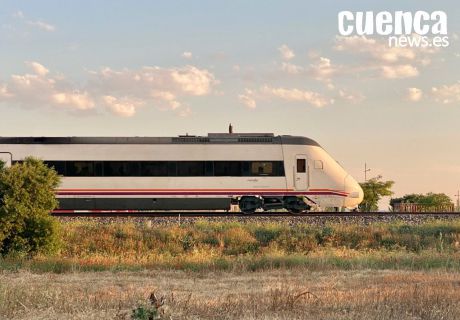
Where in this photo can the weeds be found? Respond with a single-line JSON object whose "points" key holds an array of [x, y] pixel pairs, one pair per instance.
{"points": [[150, 311], [252, 246]]}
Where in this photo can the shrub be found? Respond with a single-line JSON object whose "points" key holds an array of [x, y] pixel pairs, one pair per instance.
{"points": [[266, 234], [239, 241], [26, 200], [145, 313]]}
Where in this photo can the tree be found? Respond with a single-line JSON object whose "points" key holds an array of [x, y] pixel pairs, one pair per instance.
{"points": [[374, 189], [26, 200], [429, 201]]}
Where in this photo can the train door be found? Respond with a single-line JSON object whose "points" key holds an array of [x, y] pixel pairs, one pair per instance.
{"points": [[6, 157], [300, 172]]}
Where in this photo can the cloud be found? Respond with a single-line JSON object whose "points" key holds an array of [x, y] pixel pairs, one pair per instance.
{"points": [[446, 94], [121, 92], [323, 69], [37, 68], [77, 100], [247, 99], [18, 14], [4, 92], [352, 97], [39, 89], [292, 68], [286, 52], [188, 80], [168, 98], [388, 62], [293, 94], [193, 80], [39, 24], [374, 48], [185, 112], [42, 25], [250, 97], [187, 55], [124, 107], [414, 94], [399, 71]]}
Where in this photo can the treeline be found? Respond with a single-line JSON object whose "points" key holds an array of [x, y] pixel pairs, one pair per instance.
{"points": [[375, 189]]}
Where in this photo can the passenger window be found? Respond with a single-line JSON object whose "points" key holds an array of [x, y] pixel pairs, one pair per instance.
{"points": [[98, 168], [190, 168], [262, 168], [301, 166], [227, 168], [80, 169], [154, 169], [59, 166], [319, 164], [116, 169]]}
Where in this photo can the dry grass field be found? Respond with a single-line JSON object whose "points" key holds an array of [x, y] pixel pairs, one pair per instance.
{"points": [[234, 270], [270, 294]]}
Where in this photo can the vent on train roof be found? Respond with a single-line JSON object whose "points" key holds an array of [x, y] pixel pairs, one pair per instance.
{"points": [[255, 139], [190, 139]]}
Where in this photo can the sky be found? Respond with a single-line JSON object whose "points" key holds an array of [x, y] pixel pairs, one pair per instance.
{"points": [[151, 68]]}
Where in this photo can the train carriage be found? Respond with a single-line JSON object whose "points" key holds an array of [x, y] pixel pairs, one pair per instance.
{"points": [[257, 171]]}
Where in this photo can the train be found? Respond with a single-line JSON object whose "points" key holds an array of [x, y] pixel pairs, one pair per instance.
{"points": [[220, 171]]}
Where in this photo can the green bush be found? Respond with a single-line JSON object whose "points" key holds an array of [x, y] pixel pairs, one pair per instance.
{"points": [[145, 313], [26, 200], [265, 235]]}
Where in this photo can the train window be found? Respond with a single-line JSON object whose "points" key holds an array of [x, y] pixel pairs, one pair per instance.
{"points": [[227, 168], [167, 168], [190, 168], [246, 168], [301, 166], [121, 169], [98, 168], [134, 168], [318, 164], [79, 168], [59, 166], [154, 168], [259, 168], [209, 168], [172, 168], [280, 170]]}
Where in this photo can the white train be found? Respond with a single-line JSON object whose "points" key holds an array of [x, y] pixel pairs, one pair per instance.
{"points": [[255, 171]]}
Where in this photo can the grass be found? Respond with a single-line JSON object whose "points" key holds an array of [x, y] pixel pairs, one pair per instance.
{"points": [[210, 270], [272, 294], [128, 246]]}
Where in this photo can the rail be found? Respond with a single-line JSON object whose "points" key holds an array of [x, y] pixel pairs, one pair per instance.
{"points": [[67, 213]]}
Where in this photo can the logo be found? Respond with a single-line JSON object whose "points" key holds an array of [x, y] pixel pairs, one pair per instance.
{"points": [[419, 29]]}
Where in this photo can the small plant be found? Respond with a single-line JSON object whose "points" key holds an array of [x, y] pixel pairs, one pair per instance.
{"points": [[151, 311], [286, 298]]}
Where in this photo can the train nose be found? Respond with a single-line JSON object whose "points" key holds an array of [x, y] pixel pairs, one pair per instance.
{"points": [[355, 193]]}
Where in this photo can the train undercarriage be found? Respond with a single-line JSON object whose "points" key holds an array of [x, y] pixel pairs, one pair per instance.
{"points": [[246, 204], [293, 204]]}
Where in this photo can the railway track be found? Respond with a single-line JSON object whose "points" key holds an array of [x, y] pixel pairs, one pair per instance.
{"points": [[153, 214]]}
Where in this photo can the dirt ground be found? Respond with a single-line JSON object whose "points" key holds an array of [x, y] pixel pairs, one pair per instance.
{"points": [[276, 294]]}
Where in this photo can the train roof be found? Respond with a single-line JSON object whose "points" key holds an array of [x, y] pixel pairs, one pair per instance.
{"points": [[211, 138]]}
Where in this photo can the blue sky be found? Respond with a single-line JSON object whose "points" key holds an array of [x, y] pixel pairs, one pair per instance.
{"points": [[166, 68]]}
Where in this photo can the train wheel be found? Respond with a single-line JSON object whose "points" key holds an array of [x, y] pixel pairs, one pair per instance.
{"points": [[295, 205], [249, 205], [296, 211]]}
